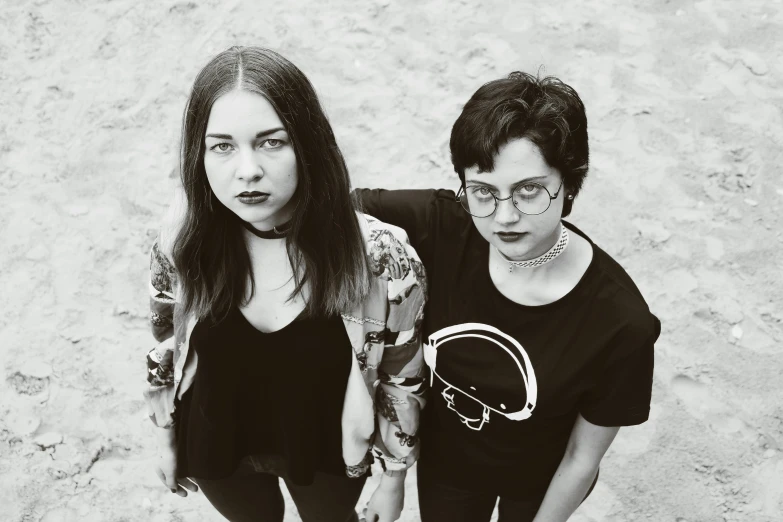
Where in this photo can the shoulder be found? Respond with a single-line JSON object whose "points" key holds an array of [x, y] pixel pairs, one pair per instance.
{"points": [[389, 252], [625, 303], [620, 298]]}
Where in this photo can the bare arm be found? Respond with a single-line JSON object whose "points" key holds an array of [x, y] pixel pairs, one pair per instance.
{"points": [[577, 470]]}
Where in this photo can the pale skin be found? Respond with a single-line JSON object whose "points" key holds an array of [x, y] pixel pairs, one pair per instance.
{"points": [[248, 150], [517, 163]]}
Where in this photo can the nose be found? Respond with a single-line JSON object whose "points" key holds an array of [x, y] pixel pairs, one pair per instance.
{"points": [[506, 213], [249, 168]]}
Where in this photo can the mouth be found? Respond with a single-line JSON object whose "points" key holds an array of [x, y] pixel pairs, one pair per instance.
{"points": [[509, 237], [252, 198]]}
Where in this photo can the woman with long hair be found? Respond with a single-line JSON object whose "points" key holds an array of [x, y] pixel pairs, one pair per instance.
{"points": [[285, 319], [540, 346]]}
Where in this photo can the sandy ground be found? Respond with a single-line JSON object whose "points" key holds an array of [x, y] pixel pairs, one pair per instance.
{"points": [[684, 103]]}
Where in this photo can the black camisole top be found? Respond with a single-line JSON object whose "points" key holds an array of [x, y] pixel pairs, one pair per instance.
{"points": [[277, 394]]}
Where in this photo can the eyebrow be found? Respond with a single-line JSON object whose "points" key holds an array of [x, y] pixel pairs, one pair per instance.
{"points": [[261, 134], [527, 180]]}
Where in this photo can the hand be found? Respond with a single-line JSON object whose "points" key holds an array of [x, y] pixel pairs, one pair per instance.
{"points": [[166, 469], [385, 505]]}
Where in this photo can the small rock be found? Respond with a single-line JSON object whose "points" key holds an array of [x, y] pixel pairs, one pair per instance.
{"points": [[36, 368], [56, 473], [82, 479], [37, 253], [736, 332], [68, 450], [729, 309], [77, 210], [48, 440], [714, 248], [26, 449], [769, 453], [26, 385], [23, 424], [752, 202], [652, 230], [755, 64]]}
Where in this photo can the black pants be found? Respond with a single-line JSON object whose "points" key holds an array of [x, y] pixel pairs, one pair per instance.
{"points": [[254, 496], [443, 503]]}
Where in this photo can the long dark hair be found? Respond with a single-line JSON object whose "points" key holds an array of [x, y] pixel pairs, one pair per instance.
{"points": [[325, 244]]}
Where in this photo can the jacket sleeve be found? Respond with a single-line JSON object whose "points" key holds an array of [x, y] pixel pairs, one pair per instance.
{"points": [[400, 391], [160, 389]]}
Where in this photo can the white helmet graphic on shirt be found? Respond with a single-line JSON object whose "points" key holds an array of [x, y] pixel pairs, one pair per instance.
{"points": [[448, 352]]}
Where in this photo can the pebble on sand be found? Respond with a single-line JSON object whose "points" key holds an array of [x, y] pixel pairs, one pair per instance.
{"points": [[23, 424], [77, 210], [47, 440], [652, 230], [715, 248], [37, 253], [736, 332], [36, 368]]}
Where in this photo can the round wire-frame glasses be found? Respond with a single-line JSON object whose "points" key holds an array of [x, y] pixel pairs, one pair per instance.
{"points": [[534, 206]]}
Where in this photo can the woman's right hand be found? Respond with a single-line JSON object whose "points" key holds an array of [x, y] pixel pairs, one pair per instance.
{"points": [[166, 465]]}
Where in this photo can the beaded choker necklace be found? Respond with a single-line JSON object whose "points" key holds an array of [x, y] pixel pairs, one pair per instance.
{"points": [[552, 253], [276, 232]]}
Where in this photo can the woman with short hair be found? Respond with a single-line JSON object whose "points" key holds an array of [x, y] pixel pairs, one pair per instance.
{"points": [[540, 345]]}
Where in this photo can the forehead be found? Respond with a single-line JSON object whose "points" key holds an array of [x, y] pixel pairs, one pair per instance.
{"points": [[516, 160], [241, 111]]}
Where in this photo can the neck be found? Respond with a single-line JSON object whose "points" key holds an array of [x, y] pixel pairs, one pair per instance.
{"points": [[550, 255], [503, 263], [276, 232]]}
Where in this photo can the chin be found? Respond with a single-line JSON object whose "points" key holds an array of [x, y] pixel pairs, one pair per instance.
{"points": [[252, 215], [514, 252]]}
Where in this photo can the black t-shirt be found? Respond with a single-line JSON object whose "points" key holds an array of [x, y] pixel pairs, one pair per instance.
{"points": [[508, 380]]}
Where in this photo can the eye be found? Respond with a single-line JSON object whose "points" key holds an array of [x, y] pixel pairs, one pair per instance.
{"points": [[272, 143], [221, 147], [480, 191], [528, 189]]}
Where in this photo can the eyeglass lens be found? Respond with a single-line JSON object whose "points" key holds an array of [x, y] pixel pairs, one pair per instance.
{"points": [[530, 198]]}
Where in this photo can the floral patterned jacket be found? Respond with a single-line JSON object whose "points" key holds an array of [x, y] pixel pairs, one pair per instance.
{"points": [[385, 392]]}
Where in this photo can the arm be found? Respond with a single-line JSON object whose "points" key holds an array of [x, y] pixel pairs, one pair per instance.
{"points": [[407, 209], [160, 389], [160, 360], [622, 398], [586, 447], [399, 395]]}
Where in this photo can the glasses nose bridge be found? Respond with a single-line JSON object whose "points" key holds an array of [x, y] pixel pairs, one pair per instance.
{"points": [[500, 215]]}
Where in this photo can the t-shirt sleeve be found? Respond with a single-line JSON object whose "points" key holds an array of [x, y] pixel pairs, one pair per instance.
{"points": [[408, 209], [621, 396]]}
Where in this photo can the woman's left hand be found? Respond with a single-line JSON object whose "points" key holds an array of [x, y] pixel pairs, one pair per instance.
{"points": [[386, 503]]}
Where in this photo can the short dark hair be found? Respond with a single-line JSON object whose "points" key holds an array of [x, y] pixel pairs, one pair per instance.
{"points": [[544, 110], [325, 244]]}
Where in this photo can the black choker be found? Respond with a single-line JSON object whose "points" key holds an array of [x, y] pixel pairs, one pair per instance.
{"points": [[276, 232]]}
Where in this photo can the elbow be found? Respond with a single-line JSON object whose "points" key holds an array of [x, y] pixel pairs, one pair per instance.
{"points": [[581, 461]]}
